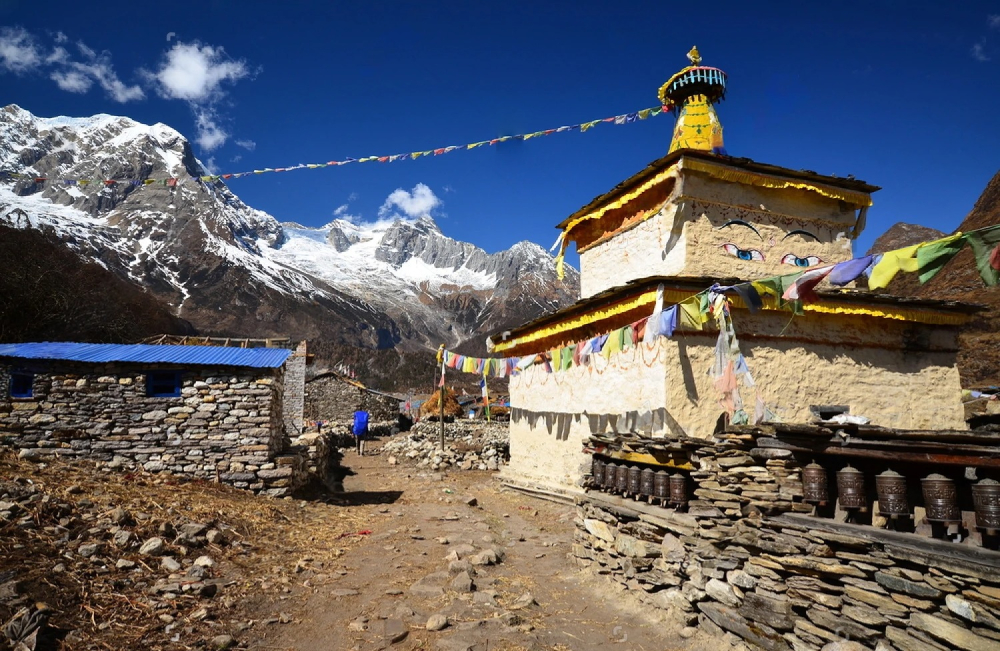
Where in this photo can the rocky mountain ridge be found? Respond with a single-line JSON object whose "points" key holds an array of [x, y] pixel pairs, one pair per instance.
{"points": [[230, 269]]}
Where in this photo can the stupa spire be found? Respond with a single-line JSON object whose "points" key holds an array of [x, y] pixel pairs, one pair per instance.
{"points": [[692, 93]]}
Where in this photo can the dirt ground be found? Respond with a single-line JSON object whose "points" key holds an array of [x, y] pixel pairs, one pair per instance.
{"points": [[363, 569], [381, 594]]}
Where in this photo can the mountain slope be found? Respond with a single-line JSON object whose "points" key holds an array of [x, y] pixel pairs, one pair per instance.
{"points": [[51, 295], [979, 342], [232, 270]]}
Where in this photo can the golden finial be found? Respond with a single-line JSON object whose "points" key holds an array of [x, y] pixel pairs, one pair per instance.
{"points": [[693, 56]]}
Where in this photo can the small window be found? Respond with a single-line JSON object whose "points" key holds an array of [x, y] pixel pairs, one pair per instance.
{"points": [[163, 384], [21, 385]]}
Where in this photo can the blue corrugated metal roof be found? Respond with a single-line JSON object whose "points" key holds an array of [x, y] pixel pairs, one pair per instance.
{"points": [[149, 354]]}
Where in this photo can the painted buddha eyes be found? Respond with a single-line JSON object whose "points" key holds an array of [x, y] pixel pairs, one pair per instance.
{"points": [[755, 254], [796, 261], [742, 254]]}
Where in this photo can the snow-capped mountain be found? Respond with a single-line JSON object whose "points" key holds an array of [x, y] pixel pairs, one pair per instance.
{"points": [[231, 269]]}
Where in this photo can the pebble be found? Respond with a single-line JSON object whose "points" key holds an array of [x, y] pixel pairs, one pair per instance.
{"points": [[436, 622], [153, 547]]}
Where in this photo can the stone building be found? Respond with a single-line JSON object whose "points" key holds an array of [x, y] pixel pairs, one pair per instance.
{"points": [[787, 519], [333, 397], [202, 411], [697, 217]]}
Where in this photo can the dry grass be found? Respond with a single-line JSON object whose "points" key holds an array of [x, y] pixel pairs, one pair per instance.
{"points": [[110, 609]]}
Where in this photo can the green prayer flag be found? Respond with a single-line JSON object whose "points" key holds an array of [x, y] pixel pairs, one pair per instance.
{"points": [[983, 244], [933, 256]]}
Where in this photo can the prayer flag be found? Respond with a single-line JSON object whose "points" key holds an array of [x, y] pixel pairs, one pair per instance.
{"points": [[986, 247]]}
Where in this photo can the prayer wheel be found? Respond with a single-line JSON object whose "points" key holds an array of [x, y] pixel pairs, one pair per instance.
{"points": [[621, 483], [610, 476], [940, 499], [634, 480], [646, 483], [661, 486], [814, 485], [597, 472], [678, 490], [851, 489], [892, 500], [986, 498]]}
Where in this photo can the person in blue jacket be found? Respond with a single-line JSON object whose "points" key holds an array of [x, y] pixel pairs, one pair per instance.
{"points": [[360, 430]]}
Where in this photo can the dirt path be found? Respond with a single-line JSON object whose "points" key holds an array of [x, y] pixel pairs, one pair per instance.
{"points": [[425, 545]]}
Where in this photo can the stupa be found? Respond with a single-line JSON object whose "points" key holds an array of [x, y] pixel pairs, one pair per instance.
{"points": [[691, 219]]}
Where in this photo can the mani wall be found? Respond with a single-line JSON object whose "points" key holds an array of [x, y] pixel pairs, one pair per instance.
{"points": [[227, 424], [739, 549]]}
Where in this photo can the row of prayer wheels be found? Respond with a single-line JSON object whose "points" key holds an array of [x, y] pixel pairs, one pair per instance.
{"points": [[639, 483], [940, 496]]}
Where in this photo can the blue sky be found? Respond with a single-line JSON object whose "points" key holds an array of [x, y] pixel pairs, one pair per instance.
{"points": [[901, 94]]}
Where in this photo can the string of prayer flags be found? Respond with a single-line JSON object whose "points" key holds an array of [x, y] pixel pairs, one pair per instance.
{"points": [[625, 118]]}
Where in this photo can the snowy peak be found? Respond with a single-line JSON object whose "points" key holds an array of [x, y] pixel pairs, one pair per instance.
{"points": [[230, 268]]}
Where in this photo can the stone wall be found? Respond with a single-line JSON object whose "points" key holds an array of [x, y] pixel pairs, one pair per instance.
{"points": [[329, 397], [226, 425], [746, 557], [295, 387]]}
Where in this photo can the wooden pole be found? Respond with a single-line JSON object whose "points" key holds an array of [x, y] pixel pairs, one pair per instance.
{"points": [[442, 413]]}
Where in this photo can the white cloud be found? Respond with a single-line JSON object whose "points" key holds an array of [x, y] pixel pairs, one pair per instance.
{"points": [[72, 81], [420, 202], [58, 55], [19, 52], [170, 35], [247, 144], [237, 158], [979, 53], [993, 21], [76, 76], [210, 165], [352, 197], [210, 134], [195, 72]]}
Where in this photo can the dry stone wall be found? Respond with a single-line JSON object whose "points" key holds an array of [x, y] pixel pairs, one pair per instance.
{"points": [[742, 559], [331, 398], [227, 424]]}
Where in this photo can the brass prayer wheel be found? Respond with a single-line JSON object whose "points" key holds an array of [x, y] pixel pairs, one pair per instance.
{"points": [[892, 500], [661, 485], [678, 490], [646, 482], [597, 472], [814, 485], [986, 498], [634, 480], [610, 476], [940, 499], [851, 489], [621, 483]]}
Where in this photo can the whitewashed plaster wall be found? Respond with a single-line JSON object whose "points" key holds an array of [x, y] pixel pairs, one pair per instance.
{"points": [[633, 380]]}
